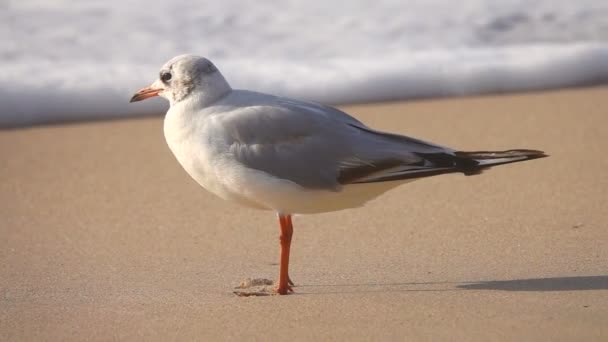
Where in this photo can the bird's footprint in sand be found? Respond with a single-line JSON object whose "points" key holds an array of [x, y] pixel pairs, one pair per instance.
{"points": [[255, 287]]}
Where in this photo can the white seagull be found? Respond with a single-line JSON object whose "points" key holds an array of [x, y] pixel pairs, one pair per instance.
{"points": [[290, 156]]}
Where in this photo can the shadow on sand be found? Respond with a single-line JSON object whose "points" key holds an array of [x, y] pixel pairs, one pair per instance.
{"points": [[542, 284], [580, 283]]}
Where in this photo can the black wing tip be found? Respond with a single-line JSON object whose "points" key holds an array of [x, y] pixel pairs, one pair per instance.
{"points": [[530, 154], [537, 154], [514, 153], [488, 159], [468, 163]]}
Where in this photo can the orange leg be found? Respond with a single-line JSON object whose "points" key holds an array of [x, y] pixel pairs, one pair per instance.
{"points": [[291, 225], [285, 238]]}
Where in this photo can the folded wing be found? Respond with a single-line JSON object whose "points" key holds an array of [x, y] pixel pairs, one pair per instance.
{"points": [[321, 147]]}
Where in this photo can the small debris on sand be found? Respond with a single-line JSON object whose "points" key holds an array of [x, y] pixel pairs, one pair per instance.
{"points": [[255, 287], [247, 283]]}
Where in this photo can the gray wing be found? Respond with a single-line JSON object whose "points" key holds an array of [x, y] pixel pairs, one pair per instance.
{"points": [[320, 147]]}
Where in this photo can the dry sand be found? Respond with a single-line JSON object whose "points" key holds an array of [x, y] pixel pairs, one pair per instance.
{"points": [[105, 237]]}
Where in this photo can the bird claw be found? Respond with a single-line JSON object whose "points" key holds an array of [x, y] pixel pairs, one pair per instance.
{"points": [[283, 290]]}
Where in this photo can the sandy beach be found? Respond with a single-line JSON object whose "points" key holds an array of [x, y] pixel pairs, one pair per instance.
{"points": [[105, 237]]}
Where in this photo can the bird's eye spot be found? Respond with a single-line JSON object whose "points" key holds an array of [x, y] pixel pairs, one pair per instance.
{"points": [[165, 76]]}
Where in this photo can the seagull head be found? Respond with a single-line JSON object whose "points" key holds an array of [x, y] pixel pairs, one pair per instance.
{"points": [[184, 77]]}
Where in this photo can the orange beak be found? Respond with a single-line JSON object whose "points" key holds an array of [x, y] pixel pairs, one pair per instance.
{"points": [[145, 93]]}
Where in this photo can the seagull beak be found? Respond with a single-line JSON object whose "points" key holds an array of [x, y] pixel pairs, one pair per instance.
{"points": [[146, 93]]}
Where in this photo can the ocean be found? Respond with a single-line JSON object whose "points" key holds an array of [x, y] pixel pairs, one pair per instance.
{"points": [[80, 60]]}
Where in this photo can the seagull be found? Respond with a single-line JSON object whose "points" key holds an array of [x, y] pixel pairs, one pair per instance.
{"points": [[290, 156]]}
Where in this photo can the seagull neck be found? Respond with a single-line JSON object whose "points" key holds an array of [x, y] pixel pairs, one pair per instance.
{"points": [[198, 100], [210, 89]]}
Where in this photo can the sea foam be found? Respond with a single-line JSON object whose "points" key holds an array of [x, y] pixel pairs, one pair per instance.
{"points": [[79, 61]]}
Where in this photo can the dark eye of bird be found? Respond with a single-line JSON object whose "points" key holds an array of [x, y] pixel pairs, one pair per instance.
{"points": [[165, 76]]}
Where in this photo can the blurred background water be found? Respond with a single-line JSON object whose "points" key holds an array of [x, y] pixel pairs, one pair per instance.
{"points": [[75, 60]]}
